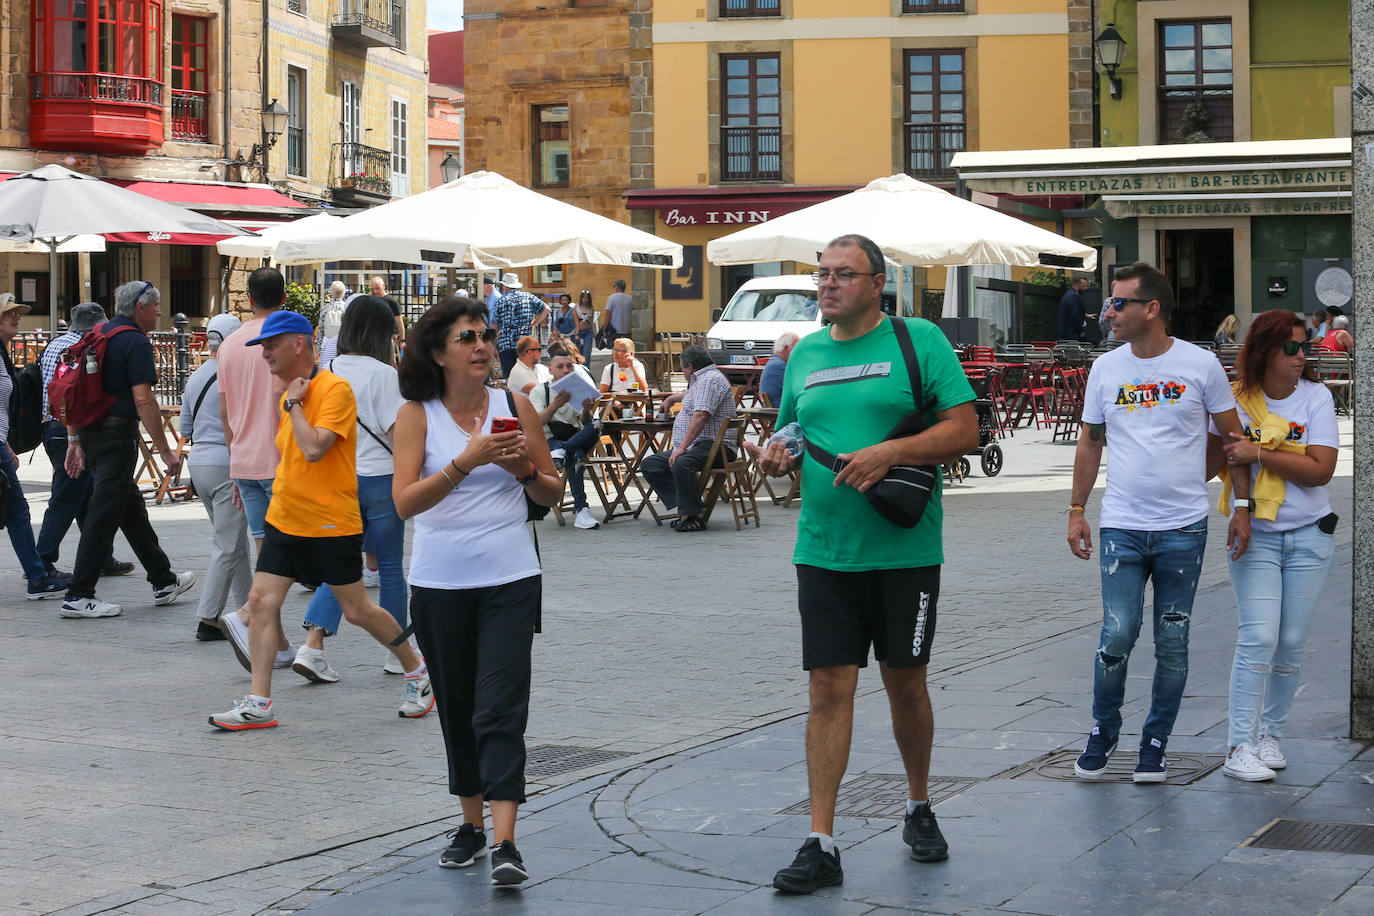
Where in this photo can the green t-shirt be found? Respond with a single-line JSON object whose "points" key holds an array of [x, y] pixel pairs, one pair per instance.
{"points": [[848, 395]]}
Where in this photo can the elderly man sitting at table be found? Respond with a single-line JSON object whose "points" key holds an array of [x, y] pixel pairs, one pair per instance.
{"points": [[770, 383], [707, 403], [528, 371]]}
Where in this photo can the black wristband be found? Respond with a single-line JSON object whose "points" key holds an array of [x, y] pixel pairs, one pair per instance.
{"points": [[534, 475]]}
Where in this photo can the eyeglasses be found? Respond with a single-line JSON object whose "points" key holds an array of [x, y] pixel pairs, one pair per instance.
{"points": [[1293, 347], [470, 336], [1116, 302], [840, 277]]}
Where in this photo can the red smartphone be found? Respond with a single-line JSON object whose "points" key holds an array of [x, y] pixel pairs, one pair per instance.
{"points": [[505, 425]]}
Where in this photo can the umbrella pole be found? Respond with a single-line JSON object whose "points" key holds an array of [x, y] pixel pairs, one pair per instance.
{"points": [[52, 285]]}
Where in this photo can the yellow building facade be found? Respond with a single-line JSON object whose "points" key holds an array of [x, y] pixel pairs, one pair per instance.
{"points": [[797, 101]]}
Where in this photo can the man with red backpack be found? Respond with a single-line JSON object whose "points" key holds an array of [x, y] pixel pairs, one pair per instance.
{"points": [[108, 444]]}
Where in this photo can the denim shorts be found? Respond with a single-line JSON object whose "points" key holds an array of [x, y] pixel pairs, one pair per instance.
{"points": [[256, 494]]}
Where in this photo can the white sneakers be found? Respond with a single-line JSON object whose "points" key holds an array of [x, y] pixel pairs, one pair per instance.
{"points": [[584, 519], [74, 608], [372, 578], [169, 593], [392, 664], [1243, 763], [418, 699], [1267, 750], [311, 665]]}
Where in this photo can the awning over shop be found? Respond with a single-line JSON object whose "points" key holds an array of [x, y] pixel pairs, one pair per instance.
{"points": [[1261, 178]]}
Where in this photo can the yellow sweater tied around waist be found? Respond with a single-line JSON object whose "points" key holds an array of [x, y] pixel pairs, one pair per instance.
{"points": [[1267, 489]]}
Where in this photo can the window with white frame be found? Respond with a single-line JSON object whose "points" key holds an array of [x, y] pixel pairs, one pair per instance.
{"points": [[295, 121], [400, 149]]}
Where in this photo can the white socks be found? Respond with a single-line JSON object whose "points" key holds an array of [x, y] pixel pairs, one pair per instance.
{"points": [[911, 806], [827, 842]]}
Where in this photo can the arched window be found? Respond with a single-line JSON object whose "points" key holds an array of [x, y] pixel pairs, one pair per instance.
{"points": [[97, 51]]}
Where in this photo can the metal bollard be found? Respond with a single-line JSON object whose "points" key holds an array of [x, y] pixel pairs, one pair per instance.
{"points": [[180, 322]]}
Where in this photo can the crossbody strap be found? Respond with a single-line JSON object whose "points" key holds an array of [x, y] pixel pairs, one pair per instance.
{"points": [[195, 411], [380, 441]]}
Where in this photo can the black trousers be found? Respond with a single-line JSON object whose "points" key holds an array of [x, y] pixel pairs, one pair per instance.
{"points": [[679, 485], [111, 449], [477, 644]]}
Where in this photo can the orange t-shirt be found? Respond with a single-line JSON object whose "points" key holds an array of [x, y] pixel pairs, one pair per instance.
{"points": [[319, 499]]}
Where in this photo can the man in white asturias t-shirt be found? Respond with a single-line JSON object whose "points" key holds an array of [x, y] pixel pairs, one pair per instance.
{"points": [[1150, 399]]}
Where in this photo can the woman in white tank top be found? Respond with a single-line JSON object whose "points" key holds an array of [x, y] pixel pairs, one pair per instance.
{"points": [[474, 575]]}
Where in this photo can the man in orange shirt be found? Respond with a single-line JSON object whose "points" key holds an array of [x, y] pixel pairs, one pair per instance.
{"points": [[313, 531]]}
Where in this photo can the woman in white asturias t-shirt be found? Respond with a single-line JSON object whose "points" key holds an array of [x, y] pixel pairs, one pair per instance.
{"points": [[364, 361], [1290, 443]]}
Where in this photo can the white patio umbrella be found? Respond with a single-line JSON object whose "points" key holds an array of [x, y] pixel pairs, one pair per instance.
{"points": [[485, 220], [264, 244], [52, 204], [913, 223], [74, 244]]}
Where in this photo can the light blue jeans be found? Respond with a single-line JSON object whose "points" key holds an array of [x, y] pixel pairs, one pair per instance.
{"points": [[1172, 560], [1277, 582], [386, 534], [256, 495]]}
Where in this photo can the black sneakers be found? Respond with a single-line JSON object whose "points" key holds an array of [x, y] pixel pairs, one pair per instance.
{"points": [[507, 868], [923, 835], [812, 868], [469, 844]]}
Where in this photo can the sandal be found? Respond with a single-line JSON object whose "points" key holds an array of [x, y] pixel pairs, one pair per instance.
{"points": [[690, 523]]}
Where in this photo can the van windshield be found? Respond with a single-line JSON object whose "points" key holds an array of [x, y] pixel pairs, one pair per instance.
{"points": [[771, 305]]}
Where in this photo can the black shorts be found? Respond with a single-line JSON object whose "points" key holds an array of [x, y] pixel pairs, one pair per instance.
{"points": [[842, 613], [312, 561]]}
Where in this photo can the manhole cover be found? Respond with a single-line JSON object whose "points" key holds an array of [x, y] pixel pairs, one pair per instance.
{"points": [[882, 795], [556, 759], [1316, 836], [1183, 768]]}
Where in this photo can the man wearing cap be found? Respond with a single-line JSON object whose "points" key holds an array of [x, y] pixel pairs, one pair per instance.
{"points": [[68, 497], [13, 506], [313, 532], [518, 313], [109, 447]]}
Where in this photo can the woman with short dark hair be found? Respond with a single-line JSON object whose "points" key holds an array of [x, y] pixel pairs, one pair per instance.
{"points": [[465, 476], [1290, 441]]}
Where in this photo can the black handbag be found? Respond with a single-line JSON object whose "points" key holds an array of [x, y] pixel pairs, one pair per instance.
{"points": [[904, 492]]}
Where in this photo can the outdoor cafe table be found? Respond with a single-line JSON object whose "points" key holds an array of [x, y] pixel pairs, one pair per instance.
{"points": [[750, 375], [764, 419], [638, 437]]}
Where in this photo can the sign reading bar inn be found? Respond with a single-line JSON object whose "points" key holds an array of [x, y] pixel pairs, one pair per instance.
{"points": [[1238, 206], [1301, 179]]}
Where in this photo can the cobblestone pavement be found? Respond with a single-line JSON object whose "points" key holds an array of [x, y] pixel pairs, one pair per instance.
{"points": [[117, 797]]}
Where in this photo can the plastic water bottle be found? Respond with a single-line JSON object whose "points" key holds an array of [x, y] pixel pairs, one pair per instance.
{"points": [[791, 438]]}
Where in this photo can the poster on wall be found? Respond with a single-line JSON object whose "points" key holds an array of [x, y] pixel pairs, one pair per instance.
{"points": [[685, 282]]}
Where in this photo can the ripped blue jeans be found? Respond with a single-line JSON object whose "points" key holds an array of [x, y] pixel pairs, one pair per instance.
{"points": [[1172, 560]]}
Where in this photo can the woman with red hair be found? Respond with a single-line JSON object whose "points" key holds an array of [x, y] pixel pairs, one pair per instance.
{"points": [[1289, 441]]}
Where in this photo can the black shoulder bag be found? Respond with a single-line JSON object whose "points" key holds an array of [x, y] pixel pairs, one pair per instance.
{"points": [[904, 492], [533, 510]]}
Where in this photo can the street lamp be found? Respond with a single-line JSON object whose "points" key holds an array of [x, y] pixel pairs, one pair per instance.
{"points": [[1111, 47], [273, 123], [451, 169]]}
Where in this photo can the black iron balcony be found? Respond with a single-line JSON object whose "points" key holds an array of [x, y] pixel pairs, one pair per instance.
{"points": [[368, 23], [731, 9], [189, 121], [361, 174], [751, 153], [930, 147]]}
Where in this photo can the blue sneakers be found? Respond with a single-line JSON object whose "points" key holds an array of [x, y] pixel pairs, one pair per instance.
{"points": [[1093, 761], [1152, 765]]}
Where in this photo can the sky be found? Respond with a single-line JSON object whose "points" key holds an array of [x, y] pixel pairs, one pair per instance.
{"points": [[446, 15]]}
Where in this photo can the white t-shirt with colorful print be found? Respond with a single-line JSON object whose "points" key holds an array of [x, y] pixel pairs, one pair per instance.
{"points": [[1156, 412]]}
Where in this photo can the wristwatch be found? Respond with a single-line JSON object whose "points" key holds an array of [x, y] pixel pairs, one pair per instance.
{"points": [[1246, 504], [287, 404]]}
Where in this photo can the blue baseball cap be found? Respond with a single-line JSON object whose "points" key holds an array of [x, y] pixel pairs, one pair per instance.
{"points": [[282, 322]]}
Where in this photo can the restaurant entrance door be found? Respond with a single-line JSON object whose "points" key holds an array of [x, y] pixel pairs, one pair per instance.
{"points": [[1201, 268]]}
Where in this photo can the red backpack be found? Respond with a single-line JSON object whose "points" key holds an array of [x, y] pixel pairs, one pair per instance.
{"points": [[76, 394]]}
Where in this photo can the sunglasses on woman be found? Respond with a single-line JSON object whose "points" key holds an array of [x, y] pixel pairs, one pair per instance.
{"points": [[470, 336], [1291, 347]]}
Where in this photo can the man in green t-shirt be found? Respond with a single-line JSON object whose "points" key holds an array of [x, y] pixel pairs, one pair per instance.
{"points": [[861, 579]]}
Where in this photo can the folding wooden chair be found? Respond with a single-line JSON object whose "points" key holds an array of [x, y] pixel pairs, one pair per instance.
{"points": [[733, 479]]}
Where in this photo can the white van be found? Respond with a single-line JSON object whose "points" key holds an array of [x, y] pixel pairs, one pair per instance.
{"points": [[759, 312]]}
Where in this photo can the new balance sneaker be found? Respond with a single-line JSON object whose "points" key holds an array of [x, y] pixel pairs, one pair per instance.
{"points": [[1151, 766], [1267, 750], [371, 578], [507, 868], [1243, 763], [469, 844], [923, 835], [208, 631], [237, 632], [418, 699], [117, 568], [245, 715], [311, 665], [585, 520], [812, 868], [169, 593], [88, 607], [1093, 760], [47, 587], [558, 455]]}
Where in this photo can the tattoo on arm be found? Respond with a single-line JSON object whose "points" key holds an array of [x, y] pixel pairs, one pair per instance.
{"points": [[1097, 431]]}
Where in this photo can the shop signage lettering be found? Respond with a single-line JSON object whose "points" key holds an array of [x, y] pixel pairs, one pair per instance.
{"points": [[703, 216], [1251, 206], [1240, 179]]}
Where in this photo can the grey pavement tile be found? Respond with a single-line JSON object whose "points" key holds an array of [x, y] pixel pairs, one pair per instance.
{"points": [[1011, 740], [1228, 882], [1357, 901], [648, 897], [765, 901]]}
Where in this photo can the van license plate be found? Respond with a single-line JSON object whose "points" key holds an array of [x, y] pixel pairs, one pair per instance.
{"points": [[742, 360]]}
